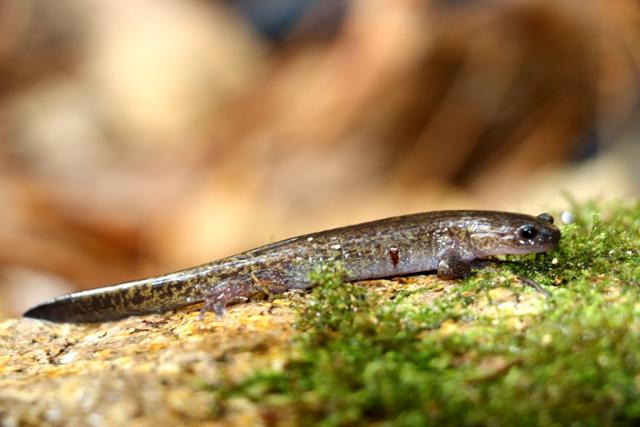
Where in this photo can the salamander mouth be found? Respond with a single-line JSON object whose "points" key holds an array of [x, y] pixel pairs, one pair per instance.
{"points": [[533, 249]]}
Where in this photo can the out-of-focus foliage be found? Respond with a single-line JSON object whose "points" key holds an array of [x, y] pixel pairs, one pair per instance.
{"points": [[138, 137]]}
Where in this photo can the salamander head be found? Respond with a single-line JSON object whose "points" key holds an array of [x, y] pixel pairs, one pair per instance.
{"points": [[514, 234]]}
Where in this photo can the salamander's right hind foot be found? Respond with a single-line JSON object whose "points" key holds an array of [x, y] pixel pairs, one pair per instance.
{"points": [[240, 289], [227, 293]]}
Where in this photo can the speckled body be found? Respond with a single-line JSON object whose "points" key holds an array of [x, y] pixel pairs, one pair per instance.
{"points": [[444, 241]]}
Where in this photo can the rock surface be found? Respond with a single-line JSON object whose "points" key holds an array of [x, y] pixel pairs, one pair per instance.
{"points": [[140, 371], [155, 370]]}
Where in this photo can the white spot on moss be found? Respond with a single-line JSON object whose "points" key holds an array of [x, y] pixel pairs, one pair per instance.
{"points": [[567, 217]]}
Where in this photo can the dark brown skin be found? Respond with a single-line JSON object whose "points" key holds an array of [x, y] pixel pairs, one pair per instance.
{"points": [[446, 242]]}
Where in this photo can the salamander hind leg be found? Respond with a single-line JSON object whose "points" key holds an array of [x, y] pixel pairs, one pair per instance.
{"points": [[452, 266], [226, 293], [238, 290]]}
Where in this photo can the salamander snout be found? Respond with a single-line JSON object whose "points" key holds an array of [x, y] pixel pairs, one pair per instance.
{"points": [[530, 234]]}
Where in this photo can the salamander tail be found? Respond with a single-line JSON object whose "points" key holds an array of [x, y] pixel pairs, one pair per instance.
{"points": [[146, 296]]}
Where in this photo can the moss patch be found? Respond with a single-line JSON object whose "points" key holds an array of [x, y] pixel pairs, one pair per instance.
{"points": [[487, 350]]}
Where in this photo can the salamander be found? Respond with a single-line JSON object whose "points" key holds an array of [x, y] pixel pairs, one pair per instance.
{"points": [[447, 242]]}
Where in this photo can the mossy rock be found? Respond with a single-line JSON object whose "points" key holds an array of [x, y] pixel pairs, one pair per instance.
{"points": [[489, 350]]}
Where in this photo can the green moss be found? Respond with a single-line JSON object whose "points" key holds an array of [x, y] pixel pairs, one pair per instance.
{"points": [[363, 358]]}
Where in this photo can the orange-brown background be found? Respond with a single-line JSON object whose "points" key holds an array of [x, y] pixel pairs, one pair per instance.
{"points": [[138, 137]]}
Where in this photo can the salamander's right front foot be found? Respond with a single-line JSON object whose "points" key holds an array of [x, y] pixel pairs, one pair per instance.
{"points": [[451, 266]]}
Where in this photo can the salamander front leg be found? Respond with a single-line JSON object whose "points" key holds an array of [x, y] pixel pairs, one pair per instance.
{"points": [[452, 266]]}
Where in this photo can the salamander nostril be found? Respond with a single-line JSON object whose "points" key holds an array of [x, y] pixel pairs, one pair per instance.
{"points": [[545, 217]]}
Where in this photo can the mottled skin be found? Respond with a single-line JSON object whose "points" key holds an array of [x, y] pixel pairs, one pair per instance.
{"points": [[446, 241]]}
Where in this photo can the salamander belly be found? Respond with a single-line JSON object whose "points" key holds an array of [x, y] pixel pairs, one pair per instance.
{"points": [[396, 262]]}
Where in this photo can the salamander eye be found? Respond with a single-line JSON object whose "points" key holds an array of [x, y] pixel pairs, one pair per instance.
{"points": [[527, 231]]}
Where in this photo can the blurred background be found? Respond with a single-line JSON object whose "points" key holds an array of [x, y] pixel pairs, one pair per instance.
{"points": [[140, 137]]}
